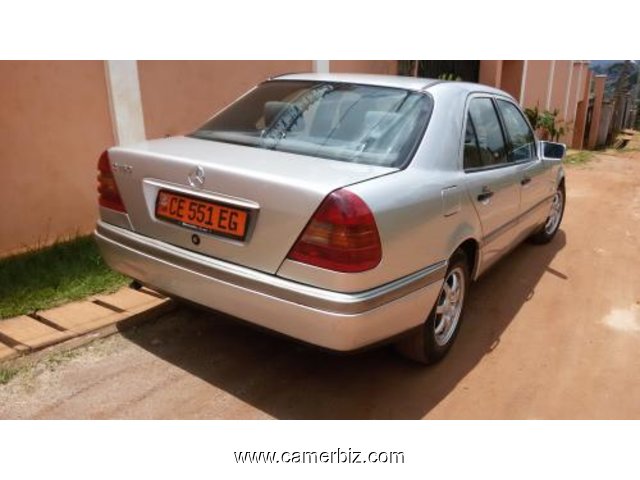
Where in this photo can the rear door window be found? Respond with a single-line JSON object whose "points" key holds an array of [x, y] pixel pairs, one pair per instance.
{"points": [[521, 139], [471, 150], [490, 139]]}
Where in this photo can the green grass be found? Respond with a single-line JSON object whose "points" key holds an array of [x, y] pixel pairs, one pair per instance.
{"points": [[7, 374], [10, 371], [578, 157], [46, 278], [60, 358]]}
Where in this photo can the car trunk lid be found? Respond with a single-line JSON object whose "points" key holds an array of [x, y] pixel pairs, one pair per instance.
{"points": [[279, 191]]}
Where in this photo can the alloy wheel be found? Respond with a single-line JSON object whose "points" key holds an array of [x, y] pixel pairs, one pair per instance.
{"points": [[556, 213], [449, 306]]}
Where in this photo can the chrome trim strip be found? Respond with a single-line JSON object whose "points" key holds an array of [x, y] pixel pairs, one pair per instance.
{"points": [[511, 223], [499, 165], [266, 284], [203, 194]]}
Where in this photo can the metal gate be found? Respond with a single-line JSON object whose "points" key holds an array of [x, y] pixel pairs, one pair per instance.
{"points": [[587, 126], [467, 70]]}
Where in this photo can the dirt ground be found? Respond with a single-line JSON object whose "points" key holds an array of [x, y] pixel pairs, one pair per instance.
{"points": [[551, 332]]}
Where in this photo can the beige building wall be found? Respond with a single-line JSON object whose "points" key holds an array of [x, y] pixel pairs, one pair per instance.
{"points": [[599, 82], [571, 102], [178, 96], [581, 110], [547, 84], [511, 77], [537, 85], [54, 123], [560, 82], [491, 73]]}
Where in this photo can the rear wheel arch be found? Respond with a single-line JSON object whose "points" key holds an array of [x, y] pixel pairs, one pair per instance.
{"points": [[471, 248], [430, 341]]}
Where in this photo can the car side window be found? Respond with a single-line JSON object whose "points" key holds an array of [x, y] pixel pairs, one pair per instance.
{"points": [[521, 139], [471, 150], [491, 144]]}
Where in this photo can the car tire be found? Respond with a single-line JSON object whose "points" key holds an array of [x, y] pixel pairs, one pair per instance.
{"points": [[431, 341], [552, 224]]}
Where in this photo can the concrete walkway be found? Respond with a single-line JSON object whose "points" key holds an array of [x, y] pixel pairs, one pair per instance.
{"points": [[28, 333]]}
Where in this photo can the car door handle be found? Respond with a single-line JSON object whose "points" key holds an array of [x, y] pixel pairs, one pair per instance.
{"points": [[525, 180], [485, 195]]}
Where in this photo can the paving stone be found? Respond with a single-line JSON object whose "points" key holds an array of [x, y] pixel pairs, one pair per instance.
{"points": [[128, 299], [25, 333], [31, 332], [81, 317], [153, 293], [6, 352]]}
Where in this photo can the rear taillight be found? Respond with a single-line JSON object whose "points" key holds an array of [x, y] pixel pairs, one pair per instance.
{"points": [[342, 236], [108, 195]]}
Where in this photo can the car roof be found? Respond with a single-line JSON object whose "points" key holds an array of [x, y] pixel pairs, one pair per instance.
{"points": [[394, 81], [411, 83]]}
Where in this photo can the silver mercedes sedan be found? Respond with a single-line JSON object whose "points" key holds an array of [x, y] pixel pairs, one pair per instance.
{"points": [[340, 210]]}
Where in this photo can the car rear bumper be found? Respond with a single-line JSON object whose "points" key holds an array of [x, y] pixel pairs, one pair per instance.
{"points": [[334, 320]]}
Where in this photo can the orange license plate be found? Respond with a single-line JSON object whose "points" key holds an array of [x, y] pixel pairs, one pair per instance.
{"points": [[202, 215]]}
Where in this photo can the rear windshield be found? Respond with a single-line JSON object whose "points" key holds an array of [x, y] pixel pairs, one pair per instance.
{"points": [[339, 121]]}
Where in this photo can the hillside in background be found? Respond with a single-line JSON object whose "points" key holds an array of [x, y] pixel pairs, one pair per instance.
{"points": [[614, 70]]}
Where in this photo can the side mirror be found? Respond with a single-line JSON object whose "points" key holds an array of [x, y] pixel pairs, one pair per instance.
{"points": [[553, 151]]}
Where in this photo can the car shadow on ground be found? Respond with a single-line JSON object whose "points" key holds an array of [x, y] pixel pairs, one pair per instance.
{"points": [[288, 380]]}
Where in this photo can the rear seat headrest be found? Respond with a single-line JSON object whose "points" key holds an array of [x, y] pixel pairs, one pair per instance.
{"points": [[272, 111]]}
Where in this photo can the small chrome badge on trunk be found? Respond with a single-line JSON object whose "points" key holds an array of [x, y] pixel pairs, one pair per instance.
{"points": [[196, 177], [122, 168]]}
